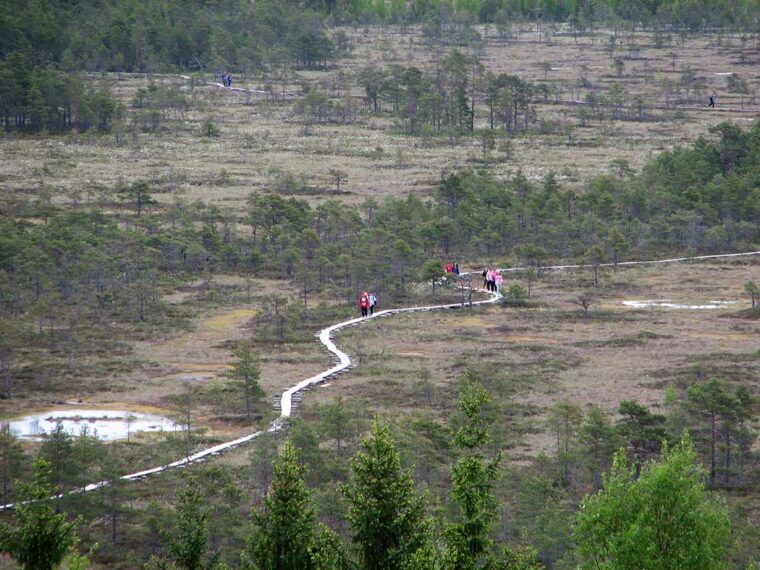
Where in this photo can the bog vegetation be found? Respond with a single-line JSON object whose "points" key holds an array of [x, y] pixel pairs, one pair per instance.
{"points": [[409, 470]]}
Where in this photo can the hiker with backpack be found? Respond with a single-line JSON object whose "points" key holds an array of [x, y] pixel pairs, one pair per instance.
{"points": [[372, 303]]}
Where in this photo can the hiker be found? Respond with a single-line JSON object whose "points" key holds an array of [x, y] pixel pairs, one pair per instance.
{"points": [[490, 285], [448, 267], [712, 102], [498, 279], [229, 80], [485, 278], [456, 269], [372, 303], [364, 303]]}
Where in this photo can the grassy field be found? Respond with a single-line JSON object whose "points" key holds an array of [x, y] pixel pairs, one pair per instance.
{"points": [[261, 142]]}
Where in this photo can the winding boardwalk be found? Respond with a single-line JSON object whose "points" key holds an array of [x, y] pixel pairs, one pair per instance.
{"points": [[343, 362]]}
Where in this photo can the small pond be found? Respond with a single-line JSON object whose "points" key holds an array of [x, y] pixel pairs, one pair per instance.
{"points": [[106, 424]]}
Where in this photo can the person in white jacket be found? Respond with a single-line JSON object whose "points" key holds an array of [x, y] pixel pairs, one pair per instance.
{"points": [[372, 303]]}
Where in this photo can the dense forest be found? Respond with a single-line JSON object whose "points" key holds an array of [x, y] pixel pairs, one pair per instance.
{"points": [[164, 35]]}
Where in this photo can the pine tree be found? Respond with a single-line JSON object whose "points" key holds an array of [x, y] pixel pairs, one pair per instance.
{"points": [[711, 401], [387, 516], [282, 534], [42, 537], [246, 372]]}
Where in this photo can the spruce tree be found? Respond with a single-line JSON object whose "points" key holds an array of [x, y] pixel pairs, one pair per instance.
{"points": [[283, 533], [42, 537], [387, 516], [188, 547], [468, 545]]}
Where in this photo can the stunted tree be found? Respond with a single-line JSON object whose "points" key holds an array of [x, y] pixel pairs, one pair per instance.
{"points": [[387, 516], [664, 518], [618, 244], [532, 256], [599, 440], [336, 422], [711, 401], [753, 291], [432, 271], [338, 176], [138, 193], [41, 537], [594, 257], [584, 300], [564, 420], [642, 431], [245, 373]]}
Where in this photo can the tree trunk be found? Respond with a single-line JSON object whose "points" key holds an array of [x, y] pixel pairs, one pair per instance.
{"points": [[713, 436]]}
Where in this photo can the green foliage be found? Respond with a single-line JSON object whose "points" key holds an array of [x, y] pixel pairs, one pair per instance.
{"points": [[468, 541], [388, 523], [711, 401], [282, 535], [245, 373], [34, 98], [42, 537], [432, 271], [209, 128], [11, 463], [753, 291], [160, 35], [663, 519], [642, 431], [516, 296], [188, 546]]}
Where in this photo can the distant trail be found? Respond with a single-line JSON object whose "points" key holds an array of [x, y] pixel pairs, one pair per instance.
{"points": [[343, 362], [283, 94]]}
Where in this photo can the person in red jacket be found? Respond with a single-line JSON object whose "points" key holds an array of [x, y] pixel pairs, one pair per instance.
{"points": [[449, 267], [364, 303]]}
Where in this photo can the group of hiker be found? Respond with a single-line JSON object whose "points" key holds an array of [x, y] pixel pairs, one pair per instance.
{"points": [[492, 280], [226, 78], [451, 268], [367, 303]]}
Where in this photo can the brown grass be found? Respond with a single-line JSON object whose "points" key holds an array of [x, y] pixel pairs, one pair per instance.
{"points": [[261, 140]]}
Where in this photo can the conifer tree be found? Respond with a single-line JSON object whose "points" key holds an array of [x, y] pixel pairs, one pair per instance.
{"points": [[387, 516], [468, 544], [11, 462], [282, 534], [42, 537], [245, 372], [188, 547]]}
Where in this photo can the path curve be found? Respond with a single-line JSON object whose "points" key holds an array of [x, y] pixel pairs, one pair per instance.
{"points": [[343, 362]]}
